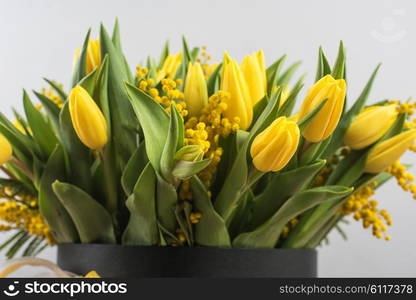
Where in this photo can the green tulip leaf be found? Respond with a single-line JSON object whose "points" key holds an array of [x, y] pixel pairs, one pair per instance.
{"points": [[174, 141], [122, 117], [142, 228], [89, 81], [235, 184], [211, 230], [349, 169], [79, 69], [213, 80], [272, 73], [267, 235], [287, 75], [55, 214], [280, 188], [287, 107], [338, 71], [154, 121], [323, 68], [41, 128], [166, 200], [314, 151], [347, 173], [51, 109], [57, 89], [100, 95], [133, 169], [186, 59], [93, 222], [163, 55]]}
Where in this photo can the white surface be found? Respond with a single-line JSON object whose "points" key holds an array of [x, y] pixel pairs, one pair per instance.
{"points": [[39, 37]]}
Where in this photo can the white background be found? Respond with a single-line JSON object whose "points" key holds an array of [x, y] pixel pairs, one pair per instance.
{"points": [[38, 38]]}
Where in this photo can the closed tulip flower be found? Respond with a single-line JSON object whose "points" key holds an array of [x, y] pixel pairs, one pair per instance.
{"points": [[254, 70], [170, 66], [239, 102], [6, 150], [93, 55], [196, 93], [87, 119], [274, 147], [325, 122], [387, 152], [370, 125]]}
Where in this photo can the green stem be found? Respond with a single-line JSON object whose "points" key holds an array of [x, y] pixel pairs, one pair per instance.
{"points": [[253, 176], [109, 181]]}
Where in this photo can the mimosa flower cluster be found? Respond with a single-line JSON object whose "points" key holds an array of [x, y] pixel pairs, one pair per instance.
{"points": [[188, 152]]}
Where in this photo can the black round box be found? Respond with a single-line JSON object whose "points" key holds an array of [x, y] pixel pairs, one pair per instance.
{"points": [[120, 261]]}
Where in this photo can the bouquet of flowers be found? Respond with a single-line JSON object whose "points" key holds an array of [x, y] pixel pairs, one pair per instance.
{"points": [[192, 153]]}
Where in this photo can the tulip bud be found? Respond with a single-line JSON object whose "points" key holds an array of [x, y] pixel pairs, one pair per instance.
{"points": [[239, 103], [370, 125], [190, 153], [325, 122], [170, 66], [93, 55], [196, 93], [87, 119], [387, 152], [6, 150], [274, 147], [253, 68]]}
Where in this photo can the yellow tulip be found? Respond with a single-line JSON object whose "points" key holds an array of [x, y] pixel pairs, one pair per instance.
{"points": [[6, 150], [87, 119], [170, 66], [274, 147], [93, 55], [195, 93], [325, 122], [254, 70], [387, 152], [370, 125], [239, 103]]}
